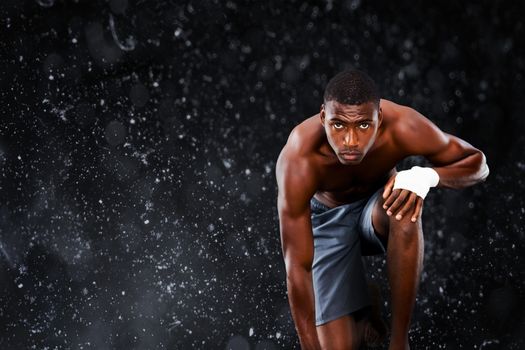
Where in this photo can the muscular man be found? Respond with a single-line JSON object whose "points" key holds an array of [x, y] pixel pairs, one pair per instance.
{"points": [[340, 197]]}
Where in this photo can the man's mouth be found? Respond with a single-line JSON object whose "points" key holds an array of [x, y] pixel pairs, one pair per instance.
{"points": [[350, 155]]}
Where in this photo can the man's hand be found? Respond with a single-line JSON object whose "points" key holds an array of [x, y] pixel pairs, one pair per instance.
{"points": [[407, 189], [401, 201]]}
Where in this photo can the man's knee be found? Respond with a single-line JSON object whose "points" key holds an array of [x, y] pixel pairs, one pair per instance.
{"points": [[405, 228], [380, 221], [383, 222]]}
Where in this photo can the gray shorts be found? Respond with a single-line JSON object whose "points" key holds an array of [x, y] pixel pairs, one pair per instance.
{"points": [[341, 236]]}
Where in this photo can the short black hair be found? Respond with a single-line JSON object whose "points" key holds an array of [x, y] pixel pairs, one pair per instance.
{"points": [[351, 87]]}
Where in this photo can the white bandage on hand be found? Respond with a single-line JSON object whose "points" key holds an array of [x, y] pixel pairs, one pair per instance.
{"points": [[417, 180]]}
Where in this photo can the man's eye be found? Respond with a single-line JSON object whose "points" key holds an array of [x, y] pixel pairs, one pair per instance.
{"points": [[338, 125], [364, 126]]}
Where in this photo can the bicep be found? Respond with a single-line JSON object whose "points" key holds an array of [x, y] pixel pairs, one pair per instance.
{"points": [[296, 182], [420, 136], [454, 150], [296, 186]]}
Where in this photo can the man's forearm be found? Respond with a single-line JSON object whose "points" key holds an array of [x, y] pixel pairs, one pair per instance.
{"points": [[463, 173], [302, 304]]}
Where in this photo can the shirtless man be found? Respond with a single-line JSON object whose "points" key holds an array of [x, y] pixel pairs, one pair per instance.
{"points": [[340, 197]]}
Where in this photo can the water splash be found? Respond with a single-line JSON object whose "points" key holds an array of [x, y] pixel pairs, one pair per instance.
{"points": [[130, 41], [45, 3], [488, 342], [6, 256]]}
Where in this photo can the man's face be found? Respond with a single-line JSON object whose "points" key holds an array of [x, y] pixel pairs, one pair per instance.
{"points": [[350, 129]]}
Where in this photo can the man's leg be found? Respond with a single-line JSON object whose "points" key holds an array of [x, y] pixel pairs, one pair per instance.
{"points": [[340, 334], [404, 265]]}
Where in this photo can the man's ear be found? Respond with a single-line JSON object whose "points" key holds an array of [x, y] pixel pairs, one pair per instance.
{"points": [[321, 114], [380, 117]]}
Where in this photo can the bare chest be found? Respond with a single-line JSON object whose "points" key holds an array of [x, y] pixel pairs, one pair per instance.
{"points": [[341, 184]]}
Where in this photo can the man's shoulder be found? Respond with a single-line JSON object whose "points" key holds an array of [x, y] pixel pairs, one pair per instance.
{"points": [[299, 153], [304, 138], [401, 119], [394, 112], [410, 130]]}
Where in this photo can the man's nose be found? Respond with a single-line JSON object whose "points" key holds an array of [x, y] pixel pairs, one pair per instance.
{"points": [[350, 139]]}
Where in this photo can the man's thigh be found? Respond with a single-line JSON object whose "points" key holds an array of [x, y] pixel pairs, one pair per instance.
{"points": [[340, 334], [380, 221]]}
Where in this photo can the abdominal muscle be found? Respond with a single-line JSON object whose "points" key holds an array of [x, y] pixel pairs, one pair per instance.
{"points": [[332, 199], [340, 196]]}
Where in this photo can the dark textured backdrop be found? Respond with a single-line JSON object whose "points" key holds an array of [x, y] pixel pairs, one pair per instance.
{"points": [[138, 142]]}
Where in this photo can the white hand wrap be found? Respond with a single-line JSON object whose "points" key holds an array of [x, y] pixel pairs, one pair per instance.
{"points": [[417, 180]]}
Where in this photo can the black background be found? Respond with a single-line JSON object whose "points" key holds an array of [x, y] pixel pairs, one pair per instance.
{"points": [[138, 143]]}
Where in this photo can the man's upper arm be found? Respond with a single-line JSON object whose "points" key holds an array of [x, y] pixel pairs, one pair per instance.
{"points": [[296, 183], [417, 135]]}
